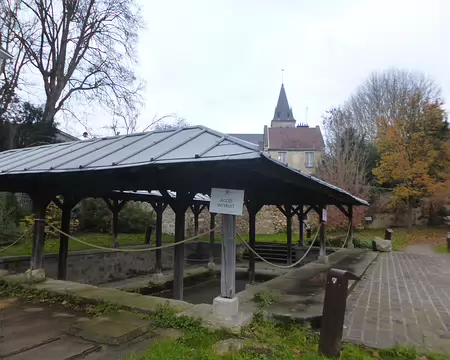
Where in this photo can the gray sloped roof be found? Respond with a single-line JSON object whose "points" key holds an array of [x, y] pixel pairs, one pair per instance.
{"points": [[188, 144], [252, 138], [191, 146], [283, 111]]}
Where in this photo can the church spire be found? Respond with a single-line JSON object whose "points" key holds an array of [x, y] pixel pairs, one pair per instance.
{"points": [[282, 111]]}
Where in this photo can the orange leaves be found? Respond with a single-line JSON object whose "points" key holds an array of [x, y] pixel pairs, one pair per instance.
{"points": [[415, 152]]}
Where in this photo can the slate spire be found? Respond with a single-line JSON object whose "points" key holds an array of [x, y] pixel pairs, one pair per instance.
{"points": [[283, 112]]}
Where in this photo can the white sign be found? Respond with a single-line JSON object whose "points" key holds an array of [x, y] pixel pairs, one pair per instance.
{"points": [[226, 201], [324, 215]]}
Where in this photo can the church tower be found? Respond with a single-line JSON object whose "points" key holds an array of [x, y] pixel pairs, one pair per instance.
{"points": [[283, 117]]}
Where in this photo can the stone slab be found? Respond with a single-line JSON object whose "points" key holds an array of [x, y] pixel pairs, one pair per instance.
{"points": [[114, 329], [132, 301], [301, 291], [58, 350], [136, 283]]}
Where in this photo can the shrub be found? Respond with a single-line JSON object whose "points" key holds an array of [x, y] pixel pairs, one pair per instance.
{"points": [[11, 211], [94, 215]]}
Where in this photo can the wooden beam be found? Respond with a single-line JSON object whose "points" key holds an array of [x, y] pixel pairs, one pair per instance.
{"points": [[301, 230], [39, 209], [159, 209], [253, 208], [289, 235], [66, 207], [179, 206], [350, 235], [283, 211], [345, 212]]}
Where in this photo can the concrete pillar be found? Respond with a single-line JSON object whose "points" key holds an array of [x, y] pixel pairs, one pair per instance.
{"points": [[227, 304], [212, 225], [323, 247], [39, 210], [350, 234]]}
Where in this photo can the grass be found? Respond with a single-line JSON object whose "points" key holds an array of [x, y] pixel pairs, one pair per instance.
{"points": [[270, 341], [263, 339], [362, 238]]}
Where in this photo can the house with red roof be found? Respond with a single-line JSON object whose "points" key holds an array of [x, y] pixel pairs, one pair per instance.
{"points": [[293, 143]]}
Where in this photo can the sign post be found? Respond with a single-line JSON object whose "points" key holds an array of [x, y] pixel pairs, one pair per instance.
{"points": [[229, 203]]}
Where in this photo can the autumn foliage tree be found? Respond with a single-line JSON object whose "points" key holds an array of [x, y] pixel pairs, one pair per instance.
{"points": [[414, 150]]}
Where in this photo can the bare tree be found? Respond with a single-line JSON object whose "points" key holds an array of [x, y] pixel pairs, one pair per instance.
{"points": [[129, 125], [347, 153], [178, 123], [83, 49], [383, 94], [11, 70]]}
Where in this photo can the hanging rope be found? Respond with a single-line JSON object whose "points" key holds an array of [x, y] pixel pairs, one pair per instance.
{"points": [[127, 250], [15, 242], [280, 266], [336, 249]]}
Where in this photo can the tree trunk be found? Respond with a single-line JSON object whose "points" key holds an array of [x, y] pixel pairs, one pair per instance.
{"points": [[409, 215]]}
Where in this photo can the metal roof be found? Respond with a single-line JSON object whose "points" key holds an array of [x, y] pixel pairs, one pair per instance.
{"points": [[143, 195], [252, 138], [195, 143], [40, 166]]}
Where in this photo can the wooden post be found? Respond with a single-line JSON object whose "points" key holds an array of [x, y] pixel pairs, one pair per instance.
{"points": [[212, 225], [323, 246], [64, 240], [39, 209], [288, 210], [159, 209], [196, 214], [350, 234], [252, 241], [115, 223], [115, 206], [179, 206], [66, 209], [228, 268], [301, 235]]}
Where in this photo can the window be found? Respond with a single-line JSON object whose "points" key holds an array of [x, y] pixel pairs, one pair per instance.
{"points": [[309, 159], [282, 157]]}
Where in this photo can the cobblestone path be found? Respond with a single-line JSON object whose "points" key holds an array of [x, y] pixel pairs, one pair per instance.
{"points": [[403, 298]]}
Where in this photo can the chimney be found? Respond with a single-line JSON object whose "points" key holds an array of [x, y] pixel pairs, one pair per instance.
{"points": [[266, 138]]}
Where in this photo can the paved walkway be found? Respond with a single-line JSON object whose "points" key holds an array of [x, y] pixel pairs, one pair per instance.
{"points": [[43, 332], [420, 249], [403, 298]]}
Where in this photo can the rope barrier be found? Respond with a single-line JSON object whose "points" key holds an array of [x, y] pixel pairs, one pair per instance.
{"points": [[128, 250], [15, 242], [280, 266], [345, 242]]}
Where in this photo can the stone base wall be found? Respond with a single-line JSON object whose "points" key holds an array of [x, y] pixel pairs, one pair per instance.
{"points": [[97, 267], [269, 220]]}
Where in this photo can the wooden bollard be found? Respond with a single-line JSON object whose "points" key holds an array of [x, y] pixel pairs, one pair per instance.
{"points": [[388, 234]]}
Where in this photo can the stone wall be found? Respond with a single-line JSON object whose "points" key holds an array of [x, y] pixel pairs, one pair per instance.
{"points": [[96, 267], [269, 220]]}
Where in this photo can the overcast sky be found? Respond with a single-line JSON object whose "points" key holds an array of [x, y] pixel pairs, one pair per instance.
{"points": [[218, 63]]}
